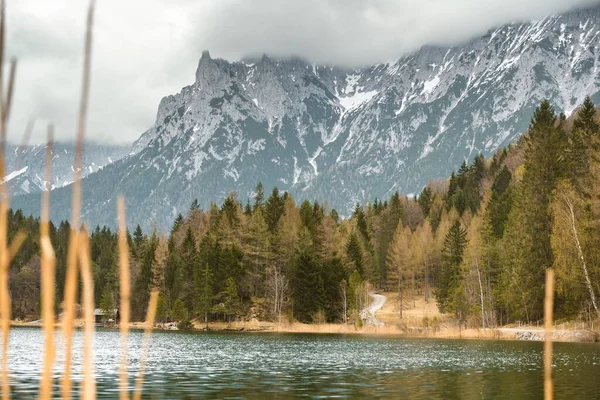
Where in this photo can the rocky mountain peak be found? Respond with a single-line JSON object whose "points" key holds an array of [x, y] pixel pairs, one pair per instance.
{"points": [[209, 75], [343, 135]]}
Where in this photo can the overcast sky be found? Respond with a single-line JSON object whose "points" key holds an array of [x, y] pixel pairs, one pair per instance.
{"points": [[146, 49]]}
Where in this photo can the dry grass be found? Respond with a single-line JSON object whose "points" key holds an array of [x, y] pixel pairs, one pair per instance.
{"points": [[78, 253]]}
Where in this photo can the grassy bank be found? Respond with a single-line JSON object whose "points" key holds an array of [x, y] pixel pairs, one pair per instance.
{"points": [[420, 318]]}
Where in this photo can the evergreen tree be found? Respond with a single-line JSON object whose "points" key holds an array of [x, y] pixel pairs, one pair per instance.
{"points": [[143, 284], [529, 226], [425, 199], [307, 287], [448, 292], [231, 300], [204, 295], [195, 206], [107, 303], [179, 312], [274, 209], [177, 223], [333, 273], [586, 121], [162, 309], [500, 203], [189, 258], [259, 195], [138, 236], [256, 248], [354, 254]]}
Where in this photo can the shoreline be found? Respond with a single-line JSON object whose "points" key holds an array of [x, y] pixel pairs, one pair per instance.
{"points": [[501, 333]]}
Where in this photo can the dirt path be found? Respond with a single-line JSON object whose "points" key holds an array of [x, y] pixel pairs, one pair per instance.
{"points": [[368, 314]]}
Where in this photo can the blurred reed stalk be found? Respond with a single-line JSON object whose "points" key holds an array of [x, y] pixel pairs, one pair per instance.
{"points": [[150, 315], [89, 383], [71, 276], [548, 308], [78, 254], [5, 250], [125, 298], [48, 264]]}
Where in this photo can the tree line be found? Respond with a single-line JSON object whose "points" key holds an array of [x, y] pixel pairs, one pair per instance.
{"points": [[477, 243]]}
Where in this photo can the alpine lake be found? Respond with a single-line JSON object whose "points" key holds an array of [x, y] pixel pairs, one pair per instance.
{"points": [[194, 365]]}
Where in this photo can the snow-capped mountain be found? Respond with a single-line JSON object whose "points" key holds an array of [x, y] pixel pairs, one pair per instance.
{"points": [[25, 165], [339, 135]]}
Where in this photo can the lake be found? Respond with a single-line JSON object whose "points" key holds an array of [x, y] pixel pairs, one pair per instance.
{"points": [[270, 365]]}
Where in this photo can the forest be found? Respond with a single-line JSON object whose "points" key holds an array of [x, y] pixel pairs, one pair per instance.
{"points": [[478, 244]]}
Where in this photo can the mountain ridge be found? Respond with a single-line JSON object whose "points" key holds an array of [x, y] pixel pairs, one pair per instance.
{"points": [[344, 135]]}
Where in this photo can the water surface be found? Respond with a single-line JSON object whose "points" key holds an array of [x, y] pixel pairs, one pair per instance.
{"points": [[269, 365]]}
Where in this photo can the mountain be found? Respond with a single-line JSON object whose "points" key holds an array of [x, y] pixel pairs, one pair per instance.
{"points": [[25, 166], [343, 135]]}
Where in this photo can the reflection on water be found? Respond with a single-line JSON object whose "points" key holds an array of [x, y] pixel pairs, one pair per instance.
{"points": [[254, 365]]}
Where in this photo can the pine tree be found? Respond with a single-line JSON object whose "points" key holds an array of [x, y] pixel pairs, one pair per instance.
{"points": [[529, 226], [259, 195], [189, 258], [195, 206], [399, 263], [107, 303], [500, 203], [179, 312], [177, 223], [256, 248], [425, 199], [204, 294], [354, 254], [361, 222], [143, 284], [274, 209], [449, 281], [307, 287], [138, 236], [231, 300], [162, 309], [333, 273], [586, 121]]}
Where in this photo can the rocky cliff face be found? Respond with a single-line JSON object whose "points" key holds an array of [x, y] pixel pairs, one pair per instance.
{"points": [[340, 135]]}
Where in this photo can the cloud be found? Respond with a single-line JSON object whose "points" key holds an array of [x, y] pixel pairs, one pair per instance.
{"points": [[146, 49], [359, 32]]}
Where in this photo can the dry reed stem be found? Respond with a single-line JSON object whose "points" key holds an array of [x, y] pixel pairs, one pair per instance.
{"points": [[48, 263], [69, 311], [89, 383], [48, 267], [71, 278], [125, 298], [83, 107], [11, 87], [5, 302], [548, 307], [150, 316]]}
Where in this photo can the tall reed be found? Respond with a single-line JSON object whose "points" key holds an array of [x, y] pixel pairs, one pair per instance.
{"points": [[78, 254], [48, 265], [125, 295], [71, 277], [548, 308], [89, 384], [5, 250], [150, 316]]}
